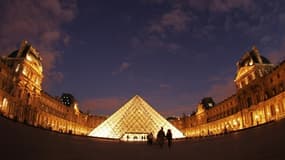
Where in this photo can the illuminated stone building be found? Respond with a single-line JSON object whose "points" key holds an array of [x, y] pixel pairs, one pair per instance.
{"points": [[259, 99], [22, 97]]}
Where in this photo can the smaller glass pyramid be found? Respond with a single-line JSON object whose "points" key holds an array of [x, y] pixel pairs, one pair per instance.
{"points": [[133, 121]]}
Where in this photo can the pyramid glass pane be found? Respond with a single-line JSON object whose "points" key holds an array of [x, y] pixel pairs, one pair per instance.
{"points": [[134, 120]]}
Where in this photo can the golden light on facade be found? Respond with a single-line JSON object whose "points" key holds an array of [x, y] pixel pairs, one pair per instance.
{"points": [[29, 58], [76, 108], [138, 118], [17, 68], [24, 71], [234, 122], [133, 121], [4, 103]]}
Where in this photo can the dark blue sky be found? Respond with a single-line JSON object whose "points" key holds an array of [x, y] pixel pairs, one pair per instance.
{"points": [[171, 52]]}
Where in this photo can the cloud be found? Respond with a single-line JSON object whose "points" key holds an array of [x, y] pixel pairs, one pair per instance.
{"points": [[153, 1], [150, 44], [227, 5], [164, 86], [265, 40], [180, 17], [220, 5], [175, 20], [282, 18], [221, 88], [39, 22], [123, 67], [156, 34], [106, 105], [277, 55], [211, 5], [178, 110]]}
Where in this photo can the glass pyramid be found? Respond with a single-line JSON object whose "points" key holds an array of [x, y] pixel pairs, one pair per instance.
{"points": [[133, 121]]}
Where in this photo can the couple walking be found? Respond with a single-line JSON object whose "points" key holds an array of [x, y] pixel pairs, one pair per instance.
{"points": [[161, 137]]}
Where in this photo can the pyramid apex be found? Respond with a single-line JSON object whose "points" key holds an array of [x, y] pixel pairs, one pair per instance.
{"points": [[134, 119], [137, 96]]}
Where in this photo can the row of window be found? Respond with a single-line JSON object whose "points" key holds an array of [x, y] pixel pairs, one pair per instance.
{"points": [[267, 94], [223, 114]]}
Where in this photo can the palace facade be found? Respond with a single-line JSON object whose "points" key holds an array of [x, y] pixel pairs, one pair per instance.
{"points": [[22, 97], [259, 99]]}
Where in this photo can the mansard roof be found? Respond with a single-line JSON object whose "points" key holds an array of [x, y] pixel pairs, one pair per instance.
{"points": [[252, 57], [24, 49]]}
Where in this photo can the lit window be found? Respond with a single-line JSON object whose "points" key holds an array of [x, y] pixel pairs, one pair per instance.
{"points": [[37, 81], [76, 107], [260, 73], [240, 85], [253, 76], [5, 102], [25, 71], [41, 68], [246, 81], [29, 58], [250, 62], [17, 68]]}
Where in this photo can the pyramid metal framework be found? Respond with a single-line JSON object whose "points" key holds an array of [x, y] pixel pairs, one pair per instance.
{"points": [[136, 118]]}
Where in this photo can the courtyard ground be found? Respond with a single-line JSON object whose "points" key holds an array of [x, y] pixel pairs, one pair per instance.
{"points": [[19, 141]]}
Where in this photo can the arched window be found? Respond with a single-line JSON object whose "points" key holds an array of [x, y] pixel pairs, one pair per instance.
{"points": [[281, 107], [257, 98], [4, 102], [281, 87], [265, 95], [249, 102], [273, 92], [273, 111]]}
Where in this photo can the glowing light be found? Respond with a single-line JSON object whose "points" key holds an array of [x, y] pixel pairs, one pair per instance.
{"points": [[25, 71], [37, 81], [40, 69], [29, 58], [235, 122], [4, 102], [17, 68], [250, 62], [76, 108], [134, 137], [256, 117], [135, 118]]}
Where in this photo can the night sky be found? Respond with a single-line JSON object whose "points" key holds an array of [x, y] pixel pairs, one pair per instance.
{"points": [[171, 52]]}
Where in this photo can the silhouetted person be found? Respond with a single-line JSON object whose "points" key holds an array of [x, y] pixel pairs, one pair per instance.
{"points": [[169, 138], [160, 137], [149, 138]]}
